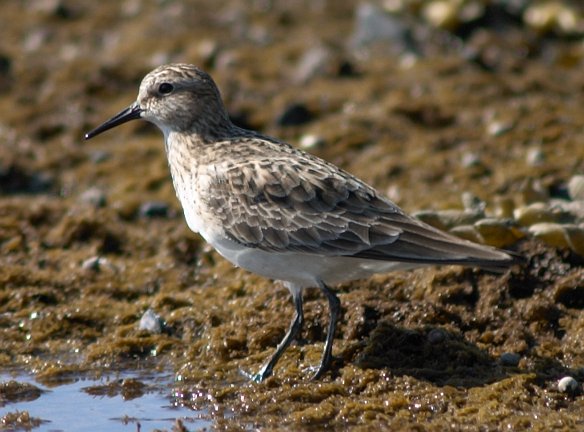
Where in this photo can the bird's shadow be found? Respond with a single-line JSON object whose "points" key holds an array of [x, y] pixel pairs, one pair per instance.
{"points": [[446, 359], [431, 354]]}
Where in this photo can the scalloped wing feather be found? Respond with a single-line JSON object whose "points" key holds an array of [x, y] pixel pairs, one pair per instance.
{"points": [[280, 207], [282, 202]]}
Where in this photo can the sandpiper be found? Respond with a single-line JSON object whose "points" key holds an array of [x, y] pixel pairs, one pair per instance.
{"points": [[277, 211]]}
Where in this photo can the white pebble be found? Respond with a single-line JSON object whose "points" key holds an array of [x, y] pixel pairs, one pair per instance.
{"points": [[151, 322], [472, 202], [535, 157], [311, 141], [98, 263], [567, 384], [94, 196], [470, 159], [94, 263], [497, 128], [576, 188]]}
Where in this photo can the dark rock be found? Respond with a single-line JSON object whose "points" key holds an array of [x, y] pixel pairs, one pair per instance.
{"points": [[154, 209], [510, 359], [294, 115], [15, 179]]}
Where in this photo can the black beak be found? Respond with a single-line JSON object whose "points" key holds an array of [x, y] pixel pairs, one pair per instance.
{"points": [[133, 112]]}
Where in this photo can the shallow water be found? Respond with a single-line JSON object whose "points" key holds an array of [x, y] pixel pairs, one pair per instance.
{"points": [[103, 405]]}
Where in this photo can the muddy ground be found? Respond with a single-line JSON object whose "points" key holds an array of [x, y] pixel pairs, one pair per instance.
{"points": [[91, 234]]}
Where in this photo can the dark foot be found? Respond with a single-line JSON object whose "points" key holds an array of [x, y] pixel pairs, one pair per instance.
{"points": [[295, 327], [317, 372], [263, 373], [327, 355]]}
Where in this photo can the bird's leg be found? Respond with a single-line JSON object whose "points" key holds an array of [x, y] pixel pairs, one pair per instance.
{"points": [[292, 332], [334, 308]]}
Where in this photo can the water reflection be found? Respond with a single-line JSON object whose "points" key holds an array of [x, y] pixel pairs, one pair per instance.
{"points": [[138, 401]]}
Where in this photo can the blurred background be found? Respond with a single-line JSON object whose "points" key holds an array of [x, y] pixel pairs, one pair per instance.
{"points": [[375, 87]]}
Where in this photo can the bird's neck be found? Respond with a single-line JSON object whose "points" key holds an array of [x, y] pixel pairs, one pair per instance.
{"points": [[186, 151]]}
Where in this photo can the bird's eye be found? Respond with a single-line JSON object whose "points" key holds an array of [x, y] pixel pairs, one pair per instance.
{"points": [[165, 88]]}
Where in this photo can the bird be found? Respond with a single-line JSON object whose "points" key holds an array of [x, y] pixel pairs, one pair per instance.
{"points": [[278, 211]]}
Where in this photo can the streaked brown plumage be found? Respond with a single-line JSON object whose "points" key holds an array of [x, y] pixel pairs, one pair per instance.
{"points": [[278, 211]]}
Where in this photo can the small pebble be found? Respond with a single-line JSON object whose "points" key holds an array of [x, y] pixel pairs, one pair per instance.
{"points": [[554, 16], [99, 156], [447, 219], [552, 233], [207, 50], [510, 359], [576, 188], [93, 264], [450, 15], [294, 115], [151, 322], [562, 236], [393, 192], [473, 203], [313, 63], [567, 385], [496, 128], [504, 207], [575, 237], [441, 14], [436, 336], [152, 209], [97, 264], [497, 232], [574, 210], [373, 26], [431, 217], [467, 232], [311, 141], [535, 157], [94, 196], [470, 159], [534, 213]]}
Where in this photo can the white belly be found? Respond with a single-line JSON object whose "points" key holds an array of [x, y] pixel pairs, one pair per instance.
{"points": [[301, 270]]}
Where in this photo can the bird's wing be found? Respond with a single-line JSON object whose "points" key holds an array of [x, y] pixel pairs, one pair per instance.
{"points": [[308, 205], [275, 205]]}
